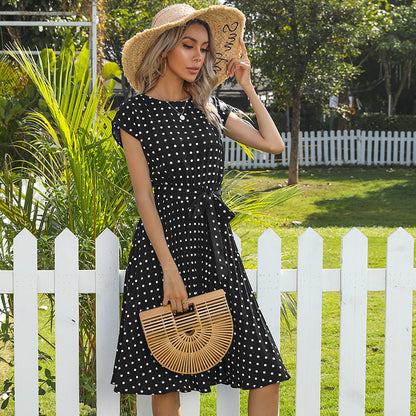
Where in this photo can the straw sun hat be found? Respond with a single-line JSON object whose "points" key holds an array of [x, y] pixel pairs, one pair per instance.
{"points": [[226, 24]]}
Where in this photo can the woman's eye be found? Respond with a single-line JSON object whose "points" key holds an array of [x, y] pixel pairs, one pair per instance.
{"points": [[205, 50], [187, 46]]}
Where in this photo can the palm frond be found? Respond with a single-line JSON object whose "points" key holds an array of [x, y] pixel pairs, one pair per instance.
{"points": [[71, 144], [245, 202]]}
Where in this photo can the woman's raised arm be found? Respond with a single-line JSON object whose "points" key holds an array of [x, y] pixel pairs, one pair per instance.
{"points": [[267, 138]]}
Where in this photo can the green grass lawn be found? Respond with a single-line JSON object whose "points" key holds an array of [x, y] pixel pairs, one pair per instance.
{"points": [[376, 201]]}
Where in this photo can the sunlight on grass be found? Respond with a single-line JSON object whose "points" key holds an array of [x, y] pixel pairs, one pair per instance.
{"points": [[375, 200]]}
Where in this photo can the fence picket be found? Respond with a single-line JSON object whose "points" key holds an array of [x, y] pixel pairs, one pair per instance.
{"points": [[309, 314], [395, 150], [268, 272], [389, 141], [190, 403], [233, 150], [402, 142], [332, 145], [352, 156], [319, 141], [408, 151], [25, 324], [373, 150], [338, 149], [66, 324], [307, 145], [228, 401], [365, 147], [107, 312], [382, 140], [378, 156], [289, 147], [398, 330], [360, 147], [313, 148], [301, 144], [352, 360], [326, 145], [143, 405]]}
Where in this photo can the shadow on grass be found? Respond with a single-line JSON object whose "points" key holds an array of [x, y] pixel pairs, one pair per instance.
{"points": [[340, 173], [392, 206]]}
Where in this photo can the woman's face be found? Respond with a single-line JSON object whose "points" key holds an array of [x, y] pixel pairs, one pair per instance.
{"points": [[186, 59]]}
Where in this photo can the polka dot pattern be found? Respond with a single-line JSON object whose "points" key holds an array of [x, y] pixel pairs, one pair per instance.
{"points": [[186, 163]]}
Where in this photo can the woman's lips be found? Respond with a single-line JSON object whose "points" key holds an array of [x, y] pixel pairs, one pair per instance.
{"points": [[193, 70]]}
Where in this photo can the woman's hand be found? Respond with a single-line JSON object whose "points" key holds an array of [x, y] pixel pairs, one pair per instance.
{"points": [[240, 67], [174, 291], [267, 138]]}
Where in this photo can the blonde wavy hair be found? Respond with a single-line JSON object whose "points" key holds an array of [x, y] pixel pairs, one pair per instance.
{"points": [[153, 67]]}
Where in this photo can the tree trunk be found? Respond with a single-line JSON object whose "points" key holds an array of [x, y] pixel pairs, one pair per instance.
{"points": [[387, 77], [294, 142], [406, 70]]}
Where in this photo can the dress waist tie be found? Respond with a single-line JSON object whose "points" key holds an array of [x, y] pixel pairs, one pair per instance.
{"points": [[209, 204]]}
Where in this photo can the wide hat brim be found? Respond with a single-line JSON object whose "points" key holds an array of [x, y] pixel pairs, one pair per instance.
{"points": [[226, 24]]}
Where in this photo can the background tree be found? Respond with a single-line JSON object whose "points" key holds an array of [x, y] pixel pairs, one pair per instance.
{"points": [[370, 85], [303, 50], [397, 50]]}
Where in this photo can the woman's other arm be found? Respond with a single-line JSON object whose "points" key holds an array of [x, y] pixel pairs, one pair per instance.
{"points": [[174, 289]]}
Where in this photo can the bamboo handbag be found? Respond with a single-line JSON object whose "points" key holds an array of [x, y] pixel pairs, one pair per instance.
{"points": [[194, 341]]}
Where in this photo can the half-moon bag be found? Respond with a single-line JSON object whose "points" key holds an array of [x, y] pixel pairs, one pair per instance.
{"points": [[194, 341]]}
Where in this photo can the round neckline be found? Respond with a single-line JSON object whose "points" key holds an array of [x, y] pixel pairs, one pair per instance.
{"points": [[167, 101]]}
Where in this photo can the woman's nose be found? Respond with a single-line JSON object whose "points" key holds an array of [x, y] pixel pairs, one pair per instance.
{"points": [[198, 55]]}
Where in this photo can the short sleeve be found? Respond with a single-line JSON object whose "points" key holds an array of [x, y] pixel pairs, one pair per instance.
{"points": [[126, 119], [223, 109]]}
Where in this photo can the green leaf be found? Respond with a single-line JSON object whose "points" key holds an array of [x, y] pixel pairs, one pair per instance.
{"points": [[48, 60], [67, 54], [110, 86], [5, 403], [110, 70], [82, 64]]}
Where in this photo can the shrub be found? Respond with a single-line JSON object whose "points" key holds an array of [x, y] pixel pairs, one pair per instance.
{"points": [[382, 122]]}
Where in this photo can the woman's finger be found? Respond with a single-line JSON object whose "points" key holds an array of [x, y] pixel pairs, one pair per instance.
{"points": [[179, 305], [240, 65], [236, 63], [165, 300], [174, 306]]}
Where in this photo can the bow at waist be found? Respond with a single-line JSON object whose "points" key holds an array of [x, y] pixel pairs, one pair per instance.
{"points": [[208, 204]]}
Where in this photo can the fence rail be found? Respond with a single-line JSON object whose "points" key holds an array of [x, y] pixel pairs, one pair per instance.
{"points": [[353, 280], [333, 148]]}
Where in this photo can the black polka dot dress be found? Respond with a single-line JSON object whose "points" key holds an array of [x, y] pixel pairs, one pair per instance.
{"points": [[186, 164]]}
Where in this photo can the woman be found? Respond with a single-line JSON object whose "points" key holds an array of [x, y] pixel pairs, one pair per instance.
{"points": [[170, 133]]}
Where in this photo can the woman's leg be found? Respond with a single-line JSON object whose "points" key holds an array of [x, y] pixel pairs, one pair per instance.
{"points": [[166, 404], [264, 401]]}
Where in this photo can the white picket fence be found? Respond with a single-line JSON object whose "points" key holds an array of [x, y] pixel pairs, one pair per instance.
{"points": [[354, 279], [333, 148]]}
